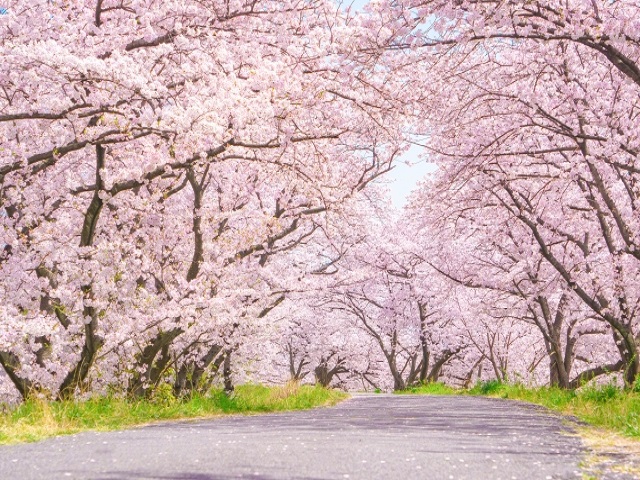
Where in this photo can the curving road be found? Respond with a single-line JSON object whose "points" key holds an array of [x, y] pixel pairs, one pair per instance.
{"points": [[366, 437]]}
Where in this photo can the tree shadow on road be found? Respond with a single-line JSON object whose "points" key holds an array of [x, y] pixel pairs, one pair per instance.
{"points": [[130, 475]]}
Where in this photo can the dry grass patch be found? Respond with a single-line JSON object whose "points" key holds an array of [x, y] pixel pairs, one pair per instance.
{"points": [[37, 419], [610, 452]]}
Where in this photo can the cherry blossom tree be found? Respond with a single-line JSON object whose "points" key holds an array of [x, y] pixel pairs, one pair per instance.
{"points": [[531, 121], [188, 190], [155, 157], [388, 294]]}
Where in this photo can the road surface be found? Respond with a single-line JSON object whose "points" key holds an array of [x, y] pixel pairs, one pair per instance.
{"points": [[366, 437]]}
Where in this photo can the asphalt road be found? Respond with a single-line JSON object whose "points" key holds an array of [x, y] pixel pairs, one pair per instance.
{"points": [[366, 437]]}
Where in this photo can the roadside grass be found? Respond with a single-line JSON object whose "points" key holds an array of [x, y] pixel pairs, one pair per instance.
{"points": [[433, 388], [606, 406], [37, 419]]}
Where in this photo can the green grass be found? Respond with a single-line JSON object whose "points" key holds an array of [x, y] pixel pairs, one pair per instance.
{"points": [[606, 406], [37, 419], [435, 388]]}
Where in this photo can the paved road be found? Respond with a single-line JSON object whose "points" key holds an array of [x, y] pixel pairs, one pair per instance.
{"points": [[366, 437]]}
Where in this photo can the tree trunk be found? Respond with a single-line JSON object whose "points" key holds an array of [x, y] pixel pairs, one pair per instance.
{"points": [[325, 375], [628, 348], [424, 345], [226, 372], [592, 373], [189, 376], [92, 342], [143, 384], [11, 365]]}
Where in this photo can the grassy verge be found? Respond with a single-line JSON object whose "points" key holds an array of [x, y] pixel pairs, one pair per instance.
{"points": [[36, 420], [606, 406]]}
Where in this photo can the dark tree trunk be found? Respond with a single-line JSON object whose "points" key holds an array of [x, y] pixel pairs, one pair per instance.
{"points": [[551, 327], [592, 373], [325, 375], [424, 345], [143, 383], [189, 378], [92, 342], [226, 372], [296, 367], [11, 365]]}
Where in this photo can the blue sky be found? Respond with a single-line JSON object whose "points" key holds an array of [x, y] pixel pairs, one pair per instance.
{"points": [[411, 169], [404, 177]]}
